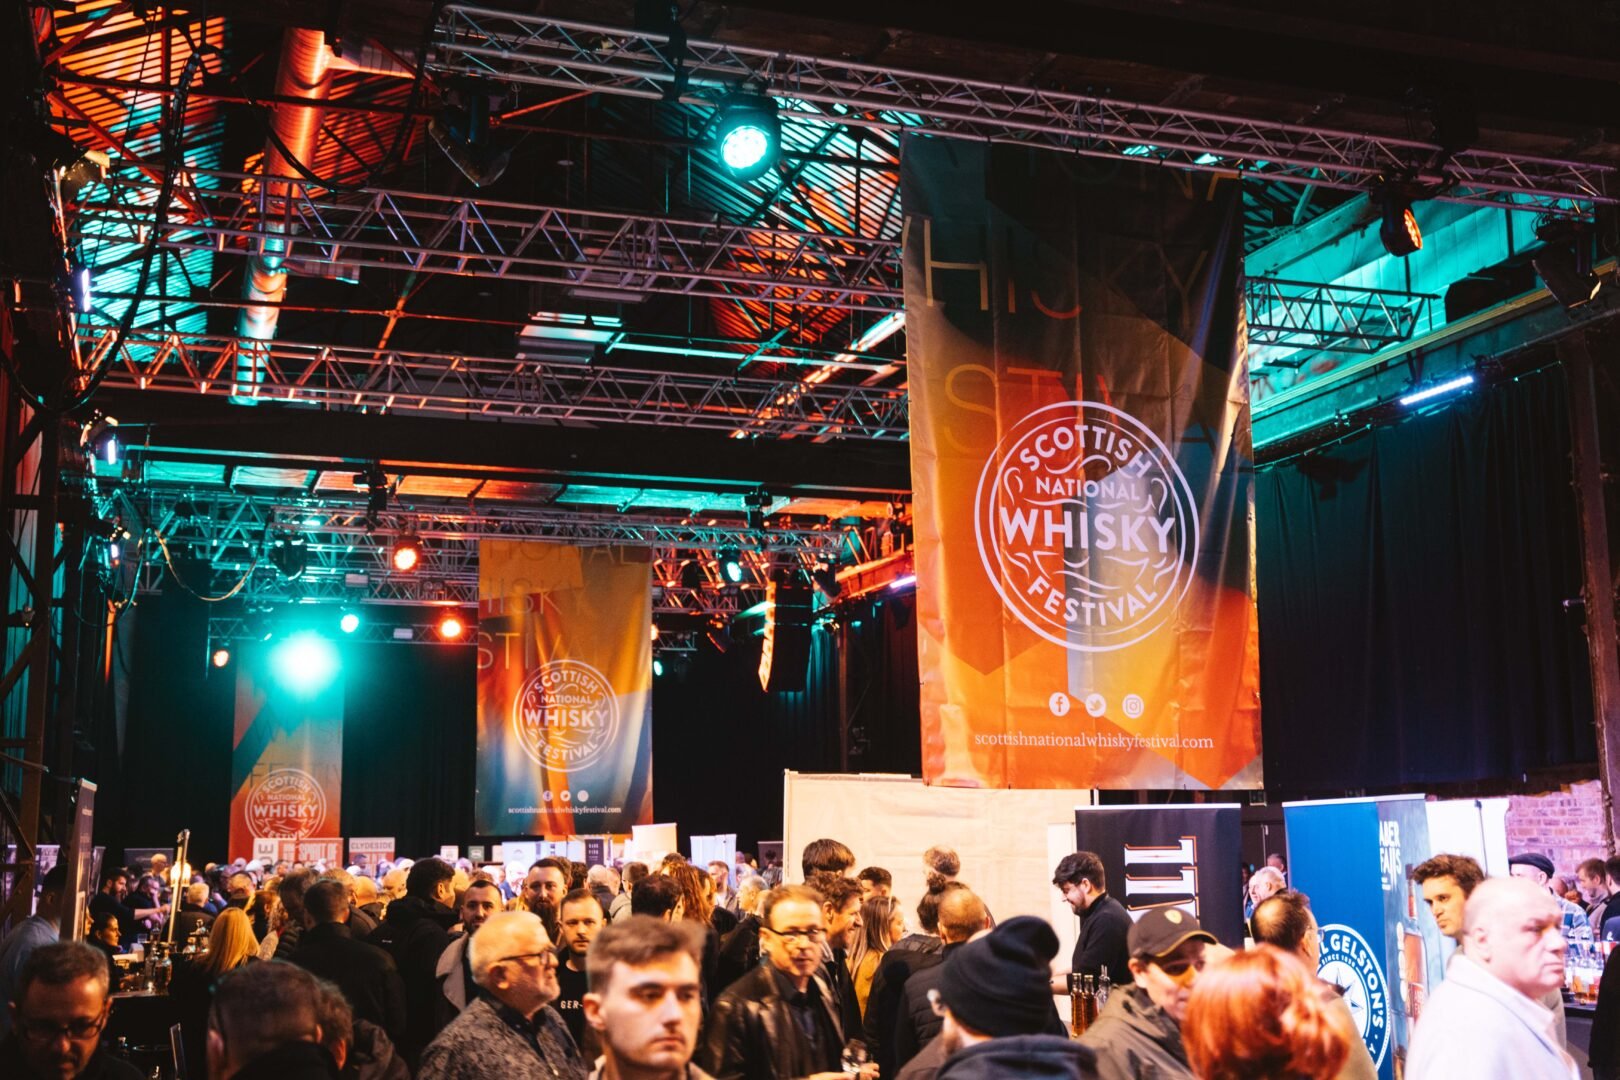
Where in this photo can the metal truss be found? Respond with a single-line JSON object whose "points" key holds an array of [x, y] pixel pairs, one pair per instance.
{"points": [[354, 379], [217, 544], [1309, 316], [533, 49], [237, 629], [597, 252]]}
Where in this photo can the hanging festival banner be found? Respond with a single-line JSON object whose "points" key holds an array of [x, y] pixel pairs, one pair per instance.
{"points": [[1176, 856], [564, 689], [287, 753], [1081, 461]]}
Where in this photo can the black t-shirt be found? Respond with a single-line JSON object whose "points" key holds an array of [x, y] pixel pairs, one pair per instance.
{"points": [[568, 1004]]}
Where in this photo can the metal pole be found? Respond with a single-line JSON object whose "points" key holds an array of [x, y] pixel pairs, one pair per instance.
{"points": [[1602, 639]]}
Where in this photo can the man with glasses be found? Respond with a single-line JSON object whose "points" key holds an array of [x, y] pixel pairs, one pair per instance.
{"points": [[779, 1021], [1139, 1032], [58, 1011], [511, 1031]]}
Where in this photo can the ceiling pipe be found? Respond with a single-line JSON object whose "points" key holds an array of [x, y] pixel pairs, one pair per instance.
{"points": [[305, 73]]}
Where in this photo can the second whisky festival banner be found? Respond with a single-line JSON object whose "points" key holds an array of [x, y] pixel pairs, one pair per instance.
{"points": [[1082, 466], [564, 689]]}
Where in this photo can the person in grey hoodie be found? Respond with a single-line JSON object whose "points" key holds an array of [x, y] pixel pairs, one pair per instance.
{"points": [[1138, 1035]]}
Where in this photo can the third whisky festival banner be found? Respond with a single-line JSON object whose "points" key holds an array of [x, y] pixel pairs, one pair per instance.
{"points": [[1081, 462], [564, 689]]}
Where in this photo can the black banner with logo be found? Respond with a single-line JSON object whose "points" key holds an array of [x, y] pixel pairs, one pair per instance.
{"points": [[1182, 856]]}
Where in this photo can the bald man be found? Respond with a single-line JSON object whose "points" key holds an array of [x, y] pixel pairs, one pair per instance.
{"points": [[961, 915], [1485, 1021]]}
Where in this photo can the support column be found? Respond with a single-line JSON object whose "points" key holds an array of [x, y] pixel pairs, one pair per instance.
{"points": [[1602, 637]]}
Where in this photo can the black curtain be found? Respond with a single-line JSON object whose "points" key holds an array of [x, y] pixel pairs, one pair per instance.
{"points": [[1412, 587], [720, 743]]}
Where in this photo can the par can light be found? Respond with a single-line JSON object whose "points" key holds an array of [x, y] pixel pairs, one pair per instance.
{"points": [[748, 135]]}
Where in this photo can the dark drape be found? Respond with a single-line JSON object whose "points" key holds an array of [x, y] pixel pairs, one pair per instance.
{"points": [[719, 742], [1412, 587]]}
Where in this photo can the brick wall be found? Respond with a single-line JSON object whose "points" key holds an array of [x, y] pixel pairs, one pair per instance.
{"points": [[1565, 825]]}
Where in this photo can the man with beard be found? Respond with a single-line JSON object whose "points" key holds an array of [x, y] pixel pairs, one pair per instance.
{"points": [[416, 930], [646, 999], [582, 919], [511, 1031], [454, 969], [59, 1011], [544, 889]]}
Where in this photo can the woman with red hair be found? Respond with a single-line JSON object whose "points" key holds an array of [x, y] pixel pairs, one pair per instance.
{"points": [[1261, 1016]]}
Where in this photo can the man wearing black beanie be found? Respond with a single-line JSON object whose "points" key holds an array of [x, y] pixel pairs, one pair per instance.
{"points": [[999, 1019]]}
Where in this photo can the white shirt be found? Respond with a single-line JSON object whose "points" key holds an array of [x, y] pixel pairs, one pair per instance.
{"points": [[1477, 1026]]}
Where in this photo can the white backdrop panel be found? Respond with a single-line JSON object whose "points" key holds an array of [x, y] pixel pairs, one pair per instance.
{"points": [[889, 821]]}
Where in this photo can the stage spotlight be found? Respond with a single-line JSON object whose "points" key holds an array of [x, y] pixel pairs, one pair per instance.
{"points": [[1399, 228], [719, 637], [1565, 264], [747, 134], [658, 666], [305, 663], [99, 438], [731, 566], [289, 554], [349, 623], [462, 130], [221, 657], [451, 627], [407, 553]]}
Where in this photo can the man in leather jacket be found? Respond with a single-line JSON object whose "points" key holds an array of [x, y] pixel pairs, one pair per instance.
{"points": [[779, 1021]]}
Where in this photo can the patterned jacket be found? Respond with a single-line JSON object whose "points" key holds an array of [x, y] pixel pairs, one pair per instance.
{"points": [[490, 1039]]}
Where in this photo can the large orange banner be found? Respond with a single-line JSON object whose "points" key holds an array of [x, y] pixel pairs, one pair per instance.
{"points": [[1081, 462], [287, 752], [564, 689]]}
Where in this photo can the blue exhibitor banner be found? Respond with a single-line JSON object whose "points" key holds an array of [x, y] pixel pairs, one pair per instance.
{"points": [[1354, 858]]}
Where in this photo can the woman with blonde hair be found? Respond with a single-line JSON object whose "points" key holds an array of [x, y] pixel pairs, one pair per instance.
{"points": [[231, 944], [1261, 1016], [883, 923]]}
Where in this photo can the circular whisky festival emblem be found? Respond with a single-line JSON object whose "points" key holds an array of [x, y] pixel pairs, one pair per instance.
{"points": [[287, 803], [566, 715], [1086, 526], [1348, 963]]}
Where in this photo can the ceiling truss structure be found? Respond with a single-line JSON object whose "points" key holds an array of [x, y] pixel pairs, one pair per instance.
{"points": [[611, 255], [392, 380], [1308, 317], [541, 51], [216, 542]]}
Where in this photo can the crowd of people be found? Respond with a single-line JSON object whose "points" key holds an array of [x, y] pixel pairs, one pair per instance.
{"points": [[441, 971]]}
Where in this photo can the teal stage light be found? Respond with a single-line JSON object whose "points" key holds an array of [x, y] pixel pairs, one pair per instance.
{"points": [[748, 135], [658, 667], [349, 623], [305, 664]]}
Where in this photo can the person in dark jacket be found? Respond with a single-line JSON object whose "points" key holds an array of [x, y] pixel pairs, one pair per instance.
{"points": [[841, 908], [193, 913], [360, 1049], [996, 1013], [294, 884], [885, 1005], [264, 1025], [1104, 922], [780, 1020], [364, 973], [961, 915], [1139, 1031], [415, 930]]}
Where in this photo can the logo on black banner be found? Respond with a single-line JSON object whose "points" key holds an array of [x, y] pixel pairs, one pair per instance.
{"points": [[566, 715], [1086, 526], [1347, 962]]}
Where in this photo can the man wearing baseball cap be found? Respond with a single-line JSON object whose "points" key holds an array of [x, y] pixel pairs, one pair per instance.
{"points": [[1537, 869], [997, 1013], [1139, 1032]]}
